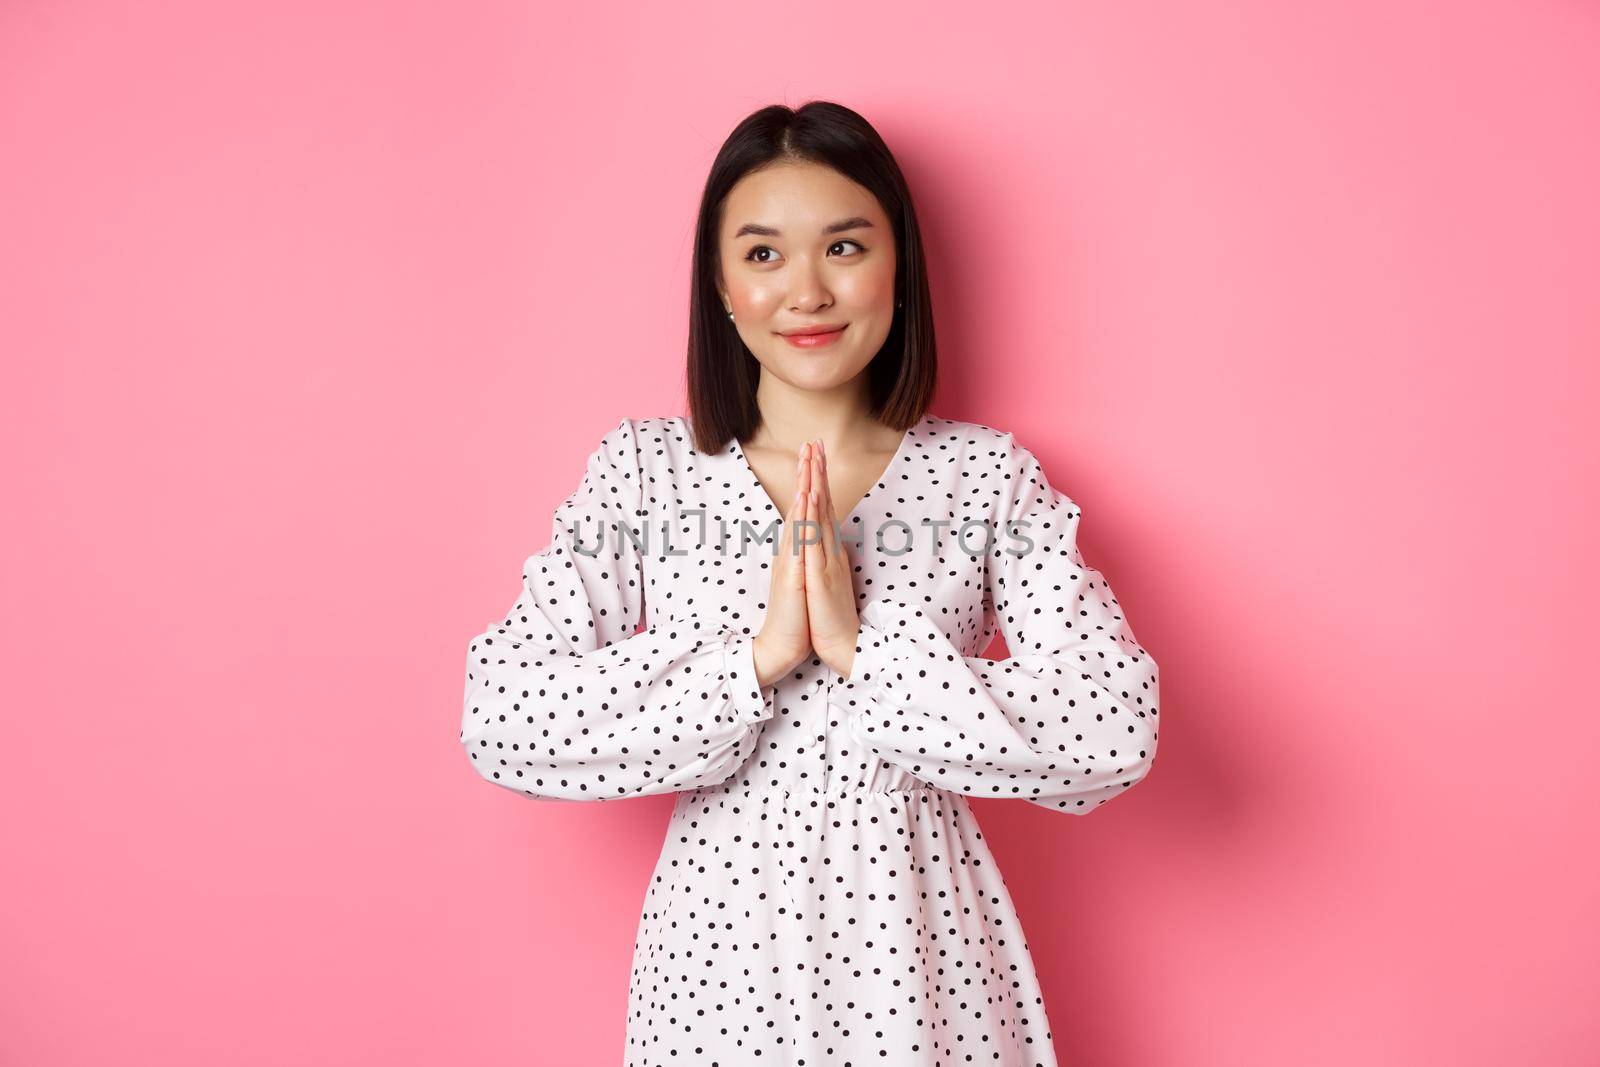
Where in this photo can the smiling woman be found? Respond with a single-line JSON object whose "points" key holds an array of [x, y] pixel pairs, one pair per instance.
{"points": [[809, 280], [799, 283], [818, 702]]}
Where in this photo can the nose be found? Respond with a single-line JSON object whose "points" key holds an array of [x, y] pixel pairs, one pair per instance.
{"points": [[807, 293]]}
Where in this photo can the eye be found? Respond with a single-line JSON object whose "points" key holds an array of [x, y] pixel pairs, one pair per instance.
{"points": [[751, 256]]}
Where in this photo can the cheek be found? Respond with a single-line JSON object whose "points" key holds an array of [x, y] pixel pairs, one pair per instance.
{"points": [[752, 299], [868, 289]]}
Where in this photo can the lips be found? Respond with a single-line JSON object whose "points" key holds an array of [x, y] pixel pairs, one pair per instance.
{"points": [[814, 339], [804, 331]]}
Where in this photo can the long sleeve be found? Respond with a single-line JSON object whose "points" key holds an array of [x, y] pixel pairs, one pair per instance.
{"points": [[1068, 721], [565, 701]]}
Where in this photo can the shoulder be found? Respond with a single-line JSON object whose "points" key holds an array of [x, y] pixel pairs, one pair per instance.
{"points": [[658, 444], [638, 446], [986, 467], [638, 435], [999, 454], [977, 439]]}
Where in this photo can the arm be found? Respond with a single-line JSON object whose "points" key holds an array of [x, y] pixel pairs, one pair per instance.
{"points": [[1067, 722], [564, 701]]}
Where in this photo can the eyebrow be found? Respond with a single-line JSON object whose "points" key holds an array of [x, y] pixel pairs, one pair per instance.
{"points": [[854, 222]]}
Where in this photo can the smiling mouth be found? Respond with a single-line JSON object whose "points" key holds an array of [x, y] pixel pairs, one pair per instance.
{"points": [[831, 327], [814, 340]]}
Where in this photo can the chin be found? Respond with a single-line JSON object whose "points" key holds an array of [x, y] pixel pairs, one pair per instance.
{"points": [[819, 372]]}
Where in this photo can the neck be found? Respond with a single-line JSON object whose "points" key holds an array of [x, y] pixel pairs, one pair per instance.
{"points": [[841, 417]]}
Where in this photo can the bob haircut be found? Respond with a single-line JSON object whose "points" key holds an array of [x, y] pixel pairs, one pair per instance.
{"points": [[722, 374]]}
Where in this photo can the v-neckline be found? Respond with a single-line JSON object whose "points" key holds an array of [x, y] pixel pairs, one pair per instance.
{"points": [[900, 451]]}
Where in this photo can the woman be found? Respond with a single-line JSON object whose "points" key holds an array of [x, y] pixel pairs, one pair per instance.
{"points": [[824, 561]]}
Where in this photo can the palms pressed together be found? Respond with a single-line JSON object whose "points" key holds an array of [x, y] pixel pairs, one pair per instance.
{"points": [[813, 603]]}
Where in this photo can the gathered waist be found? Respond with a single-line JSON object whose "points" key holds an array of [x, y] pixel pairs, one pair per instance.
{"points": [[846, 792]]}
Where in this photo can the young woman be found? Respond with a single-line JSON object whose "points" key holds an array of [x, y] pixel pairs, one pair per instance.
{"points": [[823, 563]]}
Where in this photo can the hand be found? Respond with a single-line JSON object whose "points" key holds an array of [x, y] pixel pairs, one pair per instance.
{"points": [[785, 637], [830, 593]]}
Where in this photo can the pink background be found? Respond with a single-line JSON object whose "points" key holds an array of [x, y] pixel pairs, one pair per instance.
{"points": [[311, 312]]}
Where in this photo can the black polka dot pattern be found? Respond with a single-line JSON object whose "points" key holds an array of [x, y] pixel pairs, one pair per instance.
{"points": [[824, 894]]}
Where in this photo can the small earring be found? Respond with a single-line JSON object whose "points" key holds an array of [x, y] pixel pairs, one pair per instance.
{"points": [[730, 316]]}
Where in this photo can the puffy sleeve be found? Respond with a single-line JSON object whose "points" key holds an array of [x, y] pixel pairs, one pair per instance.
{"points": [[1067, 722], [566, 701]]}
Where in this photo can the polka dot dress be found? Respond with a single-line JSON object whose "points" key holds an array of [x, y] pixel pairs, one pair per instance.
{"points": [[824, 895]]}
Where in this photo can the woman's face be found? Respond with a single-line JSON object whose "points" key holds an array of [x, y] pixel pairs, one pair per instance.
{"points": [[803, 246]]}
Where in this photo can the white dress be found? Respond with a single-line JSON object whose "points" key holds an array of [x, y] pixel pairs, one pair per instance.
{"points": [[824, 895]]}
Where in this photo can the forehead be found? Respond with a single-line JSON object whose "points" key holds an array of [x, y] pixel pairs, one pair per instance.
{"points": [[797, 198]]}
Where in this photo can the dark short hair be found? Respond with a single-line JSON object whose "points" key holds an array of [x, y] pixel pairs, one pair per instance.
{"points": [[722, 374]]}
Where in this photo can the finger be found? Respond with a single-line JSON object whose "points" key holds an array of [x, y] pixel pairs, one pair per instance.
{"points": [[813, 551], [786, 535], [830, 517], [797, 510], [829, 513], [826, 548], [819, 490], [835, 537]]}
